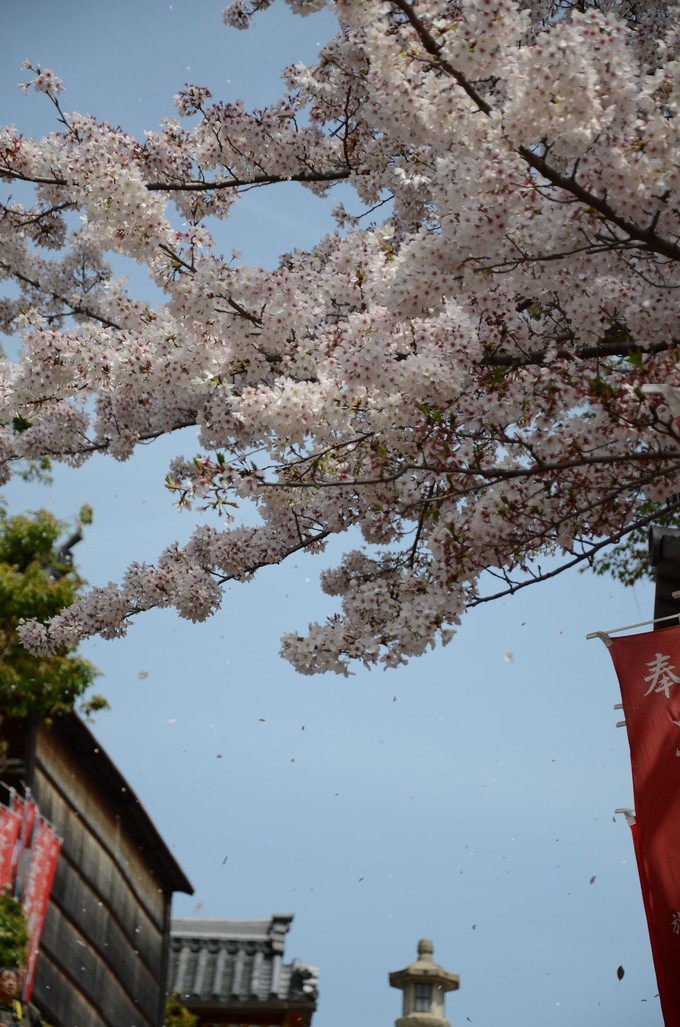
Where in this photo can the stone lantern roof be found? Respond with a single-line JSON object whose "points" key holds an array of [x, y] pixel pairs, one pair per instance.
{"points": [[424, 984]]}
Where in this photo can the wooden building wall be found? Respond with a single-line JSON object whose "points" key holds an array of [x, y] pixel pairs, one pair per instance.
{"points": [[104, 950]]}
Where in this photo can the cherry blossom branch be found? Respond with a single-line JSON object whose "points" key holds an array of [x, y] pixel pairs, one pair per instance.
{"points": [[74, 308], [585, 557], [303, 177], [23, 218], [11, 174], [601, 350], [493, 474], [647, 237], [433, 48]]}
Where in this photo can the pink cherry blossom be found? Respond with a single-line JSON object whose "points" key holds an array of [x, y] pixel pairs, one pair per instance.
{"points": [[456, 379]]}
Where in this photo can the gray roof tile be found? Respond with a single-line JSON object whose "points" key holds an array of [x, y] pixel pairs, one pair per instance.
{"points": [[237, 961]]}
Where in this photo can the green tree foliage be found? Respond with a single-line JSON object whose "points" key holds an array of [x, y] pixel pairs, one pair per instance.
{"points": [[177, 1015], [13, 933], [37, 579]]}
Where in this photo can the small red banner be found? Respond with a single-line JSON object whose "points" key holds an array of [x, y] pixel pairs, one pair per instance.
{"points": [[26, 809], [648, 669], [10, 826], [44, 853]]}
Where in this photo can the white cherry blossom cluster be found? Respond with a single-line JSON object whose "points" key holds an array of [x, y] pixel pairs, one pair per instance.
{"points": [[459, 384], [238, 13], [45, 80]]}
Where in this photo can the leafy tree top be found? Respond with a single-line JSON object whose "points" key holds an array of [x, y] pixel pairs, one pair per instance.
{"points": [[37, 579], [461, 381]]}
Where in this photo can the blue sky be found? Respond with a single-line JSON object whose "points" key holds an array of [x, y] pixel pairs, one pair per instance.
{"points": [[468, 797]]}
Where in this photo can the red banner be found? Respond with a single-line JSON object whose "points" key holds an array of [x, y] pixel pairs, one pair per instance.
{"points": [[10, 826], [648, 669], [38, 880], [26, 809]]}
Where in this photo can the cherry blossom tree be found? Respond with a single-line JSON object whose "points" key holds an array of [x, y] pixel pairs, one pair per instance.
{"points": [[454, 376]]}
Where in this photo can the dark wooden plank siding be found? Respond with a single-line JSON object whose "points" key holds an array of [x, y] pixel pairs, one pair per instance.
{"points": [[105, 922], [104, 949], [70, 1004]]}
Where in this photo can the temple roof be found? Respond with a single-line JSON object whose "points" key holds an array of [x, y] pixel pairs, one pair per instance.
{"points": [[227, 962]]}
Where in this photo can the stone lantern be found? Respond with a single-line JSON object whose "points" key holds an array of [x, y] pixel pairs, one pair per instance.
{"points": [[424, 984]]}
